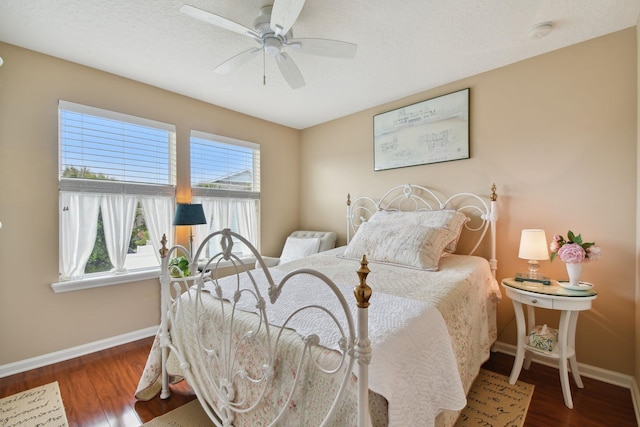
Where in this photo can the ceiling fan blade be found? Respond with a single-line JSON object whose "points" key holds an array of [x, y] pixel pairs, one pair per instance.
{"points": [[284, 15], [324, 47], [218, 21], [290, 71], [236, 61]]}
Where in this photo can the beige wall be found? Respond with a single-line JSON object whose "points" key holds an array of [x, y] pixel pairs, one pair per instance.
{"points": [[34, 320], [557, 134]]}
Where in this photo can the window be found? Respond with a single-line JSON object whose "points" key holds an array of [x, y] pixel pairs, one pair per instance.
{"points": [[225, 178], [117, 177]]}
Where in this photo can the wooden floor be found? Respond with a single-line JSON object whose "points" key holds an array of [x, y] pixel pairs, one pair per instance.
{"points": [[597, 404], [97, 390]]}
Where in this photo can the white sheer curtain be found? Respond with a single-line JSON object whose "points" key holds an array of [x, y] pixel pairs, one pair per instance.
{"points": [[118, 213], [247, 217], [215, 211], [221, 215], [78, 225], [240, 215], [159, 212]]}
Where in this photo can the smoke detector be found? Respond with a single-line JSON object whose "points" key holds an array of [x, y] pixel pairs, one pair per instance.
{"points": [[540, 30]]}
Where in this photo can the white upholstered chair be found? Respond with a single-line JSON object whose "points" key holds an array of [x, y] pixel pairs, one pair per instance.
{"points": [[302, 243]]}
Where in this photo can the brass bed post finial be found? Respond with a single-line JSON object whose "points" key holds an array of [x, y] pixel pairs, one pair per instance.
{"points": [[363, 291], [494, 196], [163, 250]]}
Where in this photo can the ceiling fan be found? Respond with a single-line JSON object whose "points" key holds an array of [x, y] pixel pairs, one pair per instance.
{"points": [[272, 31]]}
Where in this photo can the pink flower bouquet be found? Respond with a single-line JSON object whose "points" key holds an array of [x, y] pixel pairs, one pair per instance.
{"points": [[573, 250]]}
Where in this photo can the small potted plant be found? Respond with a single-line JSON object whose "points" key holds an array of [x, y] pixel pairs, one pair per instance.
{"points": [[179, 267]]}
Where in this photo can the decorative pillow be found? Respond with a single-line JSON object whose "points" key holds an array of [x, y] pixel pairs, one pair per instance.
{"points": [[444, 218], [410, 245], [299, 247]]}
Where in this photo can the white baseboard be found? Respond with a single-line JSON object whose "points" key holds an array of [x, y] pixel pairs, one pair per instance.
{"points": [[604, 375], [589, 371], [73, 352], [635, 396]]}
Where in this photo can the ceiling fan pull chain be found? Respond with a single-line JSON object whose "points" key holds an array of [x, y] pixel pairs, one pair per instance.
{"points": [[264, 69]]}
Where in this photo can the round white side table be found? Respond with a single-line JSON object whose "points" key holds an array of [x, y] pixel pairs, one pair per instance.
{"points": [[552, 297]]}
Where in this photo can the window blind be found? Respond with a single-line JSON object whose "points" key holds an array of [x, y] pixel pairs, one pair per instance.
{"points": [[224, 167], [107, 146]]}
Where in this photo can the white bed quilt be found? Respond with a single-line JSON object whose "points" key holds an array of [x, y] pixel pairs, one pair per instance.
{"points": [[430, 331], [417, 388], [464, 291]]}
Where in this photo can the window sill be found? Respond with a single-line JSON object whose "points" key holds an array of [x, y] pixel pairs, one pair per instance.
{"points": [[99, 281], [104, 280]]}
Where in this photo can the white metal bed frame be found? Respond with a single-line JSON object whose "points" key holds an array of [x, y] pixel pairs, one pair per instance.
{"points": [[408, 197], [227, 376], [412, 198]]}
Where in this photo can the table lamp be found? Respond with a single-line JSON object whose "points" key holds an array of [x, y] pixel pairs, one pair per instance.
{"points": [[533, 247], [189, 214]]}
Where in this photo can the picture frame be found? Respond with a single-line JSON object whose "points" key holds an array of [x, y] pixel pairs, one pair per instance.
{"points": [[431, 131]]}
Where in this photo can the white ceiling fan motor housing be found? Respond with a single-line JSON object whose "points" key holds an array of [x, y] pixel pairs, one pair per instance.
{"points": [[271, 42]]}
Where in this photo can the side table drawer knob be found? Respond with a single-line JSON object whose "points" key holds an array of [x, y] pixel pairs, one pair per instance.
{"points": [[537, 302]]}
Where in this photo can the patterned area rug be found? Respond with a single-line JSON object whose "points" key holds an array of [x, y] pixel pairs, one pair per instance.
{"points": [[189, 415], [40, 406], [492, 401]]}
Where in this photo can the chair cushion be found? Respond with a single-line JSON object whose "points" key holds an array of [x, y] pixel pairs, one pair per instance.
{"points": [[299, 247], [327, 238]]}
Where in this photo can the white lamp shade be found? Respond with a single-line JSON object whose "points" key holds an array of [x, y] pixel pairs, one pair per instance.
{"points": [[533, 245]]}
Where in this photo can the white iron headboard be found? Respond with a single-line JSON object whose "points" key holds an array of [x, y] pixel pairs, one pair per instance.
{"points": [[481, 211]]}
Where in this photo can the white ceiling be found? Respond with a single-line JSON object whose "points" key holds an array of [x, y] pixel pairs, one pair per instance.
{"points": [[404, 47]]}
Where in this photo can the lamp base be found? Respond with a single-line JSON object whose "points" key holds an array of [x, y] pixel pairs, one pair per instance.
{"points": [[520, 277]]}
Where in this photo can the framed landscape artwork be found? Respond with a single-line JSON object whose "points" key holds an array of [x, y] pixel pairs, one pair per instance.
{"points": [[431, 131]]}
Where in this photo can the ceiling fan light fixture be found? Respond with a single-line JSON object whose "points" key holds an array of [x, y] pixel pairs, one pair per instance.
{"points": [[540, 30], [272, 46]]}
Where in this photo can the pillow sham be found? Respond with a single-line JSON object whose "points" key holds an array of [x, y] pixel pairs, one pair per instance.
{"points": [[444, 218], [299, 247], [412, 245]]}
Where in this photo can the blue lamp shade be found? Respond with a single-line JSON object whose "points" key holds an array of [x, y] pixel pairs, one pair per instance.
{"points": [[189, 214]]}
